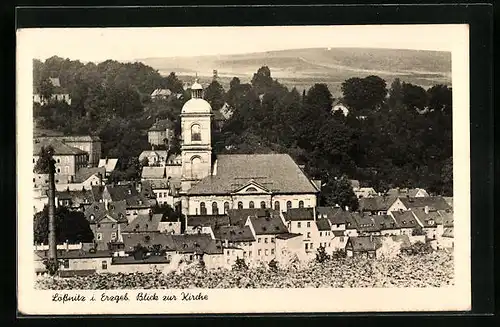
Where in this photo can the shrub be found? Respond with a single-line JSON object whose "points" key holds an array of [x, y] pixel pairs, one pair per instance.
{"points": [[339, 254], [321, 255], [417, 248], [273, 265], [417, 232], [52, 266], [239, 265]]}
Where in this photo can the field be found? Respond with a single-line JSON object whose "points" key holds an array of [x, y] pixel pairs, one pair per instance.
{"points": [[430, 270], [303, 67]]}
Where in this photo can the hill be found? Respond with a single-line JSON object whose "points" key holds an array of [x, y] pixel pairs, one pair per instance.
{"points": [[303, 67]]}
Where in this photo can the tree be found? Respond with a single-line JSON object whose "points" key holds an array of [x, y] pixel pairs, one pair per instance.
{"points": [[239, 265], [364, 95], [262, 80], [395, 100], [214, 94], [173, 83], [414, 97], [440, 98], [338, 191], [70, 226], [321, 255], [46, 89], [145, 162]]}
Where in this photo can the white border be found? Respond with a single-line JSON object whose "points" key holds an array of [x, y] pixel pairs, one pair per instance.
{"points": [[454, 298]]}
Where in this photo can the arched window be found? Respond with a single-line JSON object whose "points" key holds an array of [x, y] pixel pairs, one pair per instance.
{"points": [[251, 205], [277, 205], [263, 205], [215, 209], [240, 205], [251, 189], [203, 209], [301, 204], [195, 133], [288, 205], [226, 207], [195, 166]]}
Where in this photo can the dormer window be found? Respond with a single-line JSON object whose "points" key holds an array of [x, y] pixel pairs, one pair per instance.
{"points": [[92, 217]]}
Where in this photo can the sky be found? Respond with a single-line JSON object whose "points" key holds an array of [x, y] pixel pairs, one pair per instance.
{"points": [[128, 44]]}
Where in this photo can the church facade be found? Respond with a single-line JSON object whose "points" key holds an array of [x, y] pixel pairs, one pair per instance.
{"points": [[234, 181]]}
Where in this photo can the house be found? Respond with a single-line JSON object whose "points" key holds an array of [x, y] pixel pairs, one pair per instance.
{"points": [[91, 144], [237, 237], [165, 191], [40, 199], [68, 160], [107, 220], [77, 262], [84, 179], [376, 205], [144, 223], [161, 132], [365, 224], [340, 106], [155, 157], [351, 219], [108, 164], [76, 200], [407, 192], [406, 221], [447, 239], [136, 202], [265, 229], [289, 248], [365, 192], [207, 224], [387, 225], [431, 222], [325, 234], [407, 203], [363, 246], [59, 93], [303, 221], [238, 217], [160, 94]]}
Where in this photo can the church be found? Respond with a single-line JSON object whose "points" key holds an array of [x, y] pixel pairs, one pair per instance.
{"points": [[234, 181]]}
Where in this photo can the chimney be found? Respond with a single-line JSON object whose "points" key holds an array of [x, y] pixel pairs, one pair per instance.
{"points": [[426, 209], [106, 204]]}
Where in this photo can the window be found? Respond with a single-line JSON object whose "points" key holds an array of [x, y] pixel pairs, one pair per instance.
{"points": [[329, 244], [112, 225], [98, 225], [258, 239], [226, 207], [160, 195], [58, 170], [215, 209], [301, 204], [195, 133], [104, 265], [99, 236], [308, 224], [113, 236], [266, 252], [311, 246], [276, 205], [244, 253], [272, 239], [265, 240], [308, 234], [259, 252], [272, 251], [240, 205], [306, 246], [251, 189], [320, 234], [58, 160], [249, 253], [66, 263], [251, 205], [342, 239], [227, 252], [263, 205], [288, 205], [203, 210], [92, 217]]}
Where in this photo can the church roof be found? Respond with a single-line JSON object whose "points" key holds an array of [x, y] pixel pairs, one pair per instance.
{"points": [[276, 172], [197, 106]]}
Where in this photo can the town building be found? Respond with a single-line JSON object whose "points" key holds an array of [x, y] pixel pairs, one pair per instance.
{"points": [[59, 93], [376, 205], [160, 94], [109, 165], [161, 132], [407, 203], [339, 106], [407, 192], [107, 219]]}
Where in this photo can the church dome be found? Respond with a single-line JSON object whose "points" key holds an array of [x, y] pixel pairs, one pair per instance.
{"points": [[196, 106]]}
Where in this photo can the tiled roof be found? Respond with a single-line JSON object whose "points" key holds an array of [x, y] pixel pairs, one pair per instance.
{"points": [[59, 147], [208, 220], [354, 183], [323, 224], [365, 223], [76, 197], [116, 210], [376, 203], [154, 153], [108, 164], [161, 92], [218, 116], [286, 236], [97, 192], [435, 202], [130, 240], [196, 243], [128, 193], [385, 222], [234, 234], [238, 217], [132, 260], [162, 125], [448, 232], [335, 214], [76, 254], [296, 214], [80, 138], [427, 218], [277, 172], [447, 217], [268, 225], [405, 219], [85, 173], [144, 223], [401, 192], [364, 243], [338, 233], [153, 172]]}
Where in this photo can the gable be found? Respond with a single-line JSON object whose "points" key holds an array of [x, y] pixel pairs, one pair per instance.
{"points": [[252, 188], [107, 219]]}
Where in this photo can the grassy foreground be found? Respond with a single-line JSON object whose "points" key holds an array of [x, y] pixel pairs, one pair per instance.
{"points": [[430, 270]]}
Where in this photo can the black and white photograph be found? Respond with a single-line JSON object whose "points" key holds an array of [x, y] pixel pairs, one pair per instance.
{"points": [[187, 168]]}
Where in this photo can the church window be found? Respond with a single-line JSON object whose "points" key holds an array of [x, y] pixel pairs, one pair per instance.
{"points": [[277, 205], [288, 204], [226, 207], [195, 166], [240, 205], [251, 189], [195, 133], [203, 209], [301, 204], [263, 205], [215, 209], [251, 205]]}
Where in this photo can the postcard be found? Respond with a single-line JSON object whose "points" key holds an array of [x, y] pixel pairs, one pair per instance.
{"points": [[280, 169]]}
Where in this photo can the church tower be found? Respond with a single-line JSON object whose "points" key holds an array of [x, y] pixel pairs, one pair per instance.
{"points": [[196, 149]]}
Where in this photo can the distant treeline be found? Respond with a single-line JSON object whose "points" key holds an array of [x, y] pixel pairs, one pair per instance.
{"points": [[397, 135]]}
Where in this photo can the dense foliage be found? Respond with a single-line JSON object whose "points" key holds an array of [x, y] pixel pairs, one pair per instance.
{"points": [[71, 226], [430, 270], [399, 136]]}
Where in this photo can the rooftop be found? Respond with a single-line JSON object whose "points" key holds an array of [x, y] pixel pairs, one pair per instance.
{"points": [[208, 220], [238, 217], [276, 172], [435, 202], [144, 223], [85, 173], [162, 125], [405, 219], [268, 225], [296, 214], [323, 224], [376, 203], [234, 234], [59, 147], [116, 210]]}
